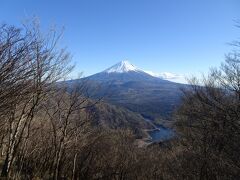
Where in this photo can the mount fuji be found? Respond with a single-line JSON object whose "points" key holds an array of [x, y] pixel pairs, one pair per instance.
{"points": [[125, 85], [124, 71], [122, 67]]}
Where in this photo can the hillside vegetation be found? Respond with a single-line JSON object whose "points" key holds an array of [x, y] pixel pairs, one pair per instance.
{"points": [[49, 131], [137, 91]]}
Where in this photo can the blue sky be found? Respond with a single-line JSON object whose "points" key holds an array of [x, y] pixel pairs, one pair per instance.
{"points": [[178, 36]]}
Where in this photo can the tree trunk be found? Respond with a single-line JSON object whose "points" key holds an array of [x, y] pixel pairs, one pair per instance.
{"points": [[74, 166]]}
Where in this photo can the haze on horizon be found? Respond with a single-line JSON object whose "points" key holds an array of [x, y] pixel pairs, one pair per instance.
{"points": [[178, 37]]}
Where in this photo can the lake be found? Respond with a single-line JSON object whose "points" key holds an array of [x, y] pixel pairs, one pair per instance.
{"points": [[161, 133]]}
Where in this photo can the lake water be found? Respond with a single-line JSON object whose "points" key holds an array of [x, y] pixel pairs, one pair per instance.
{"points": [[161, 134]]}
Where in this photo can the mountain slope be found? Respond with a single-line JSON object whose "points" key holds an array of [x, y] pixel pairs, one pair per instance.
{"points": [[121, 67], [122, 72], [114, 117], [125, 85]]}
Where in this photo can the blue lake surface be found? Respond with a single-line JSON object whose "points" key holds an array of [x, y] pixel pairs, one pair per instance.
{"points": [[161, 134]]}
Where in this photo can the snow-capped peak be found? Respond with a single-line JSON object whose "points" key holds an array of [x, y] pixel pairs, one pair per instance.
{"points": [[121, 67]]}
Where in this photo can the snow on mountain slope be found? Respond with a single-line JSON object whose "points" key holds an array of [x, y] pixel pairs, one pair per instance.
{"points": [[128, 86], [168, 76], [126, 67], [122, 67]]}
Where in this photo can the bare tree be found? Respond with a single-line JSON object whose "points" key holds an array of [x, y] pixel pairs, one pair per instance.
{"points": [[208, 122], [30, 64]]}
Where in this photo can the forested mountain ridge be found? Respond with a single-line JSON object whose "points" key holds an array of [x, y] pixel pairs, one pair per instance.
{"points": [[109, 116]]}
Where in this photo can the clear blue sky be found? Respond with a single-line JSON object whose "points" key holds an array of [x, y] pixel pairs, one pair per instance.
{"points": [[179, 36]]}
